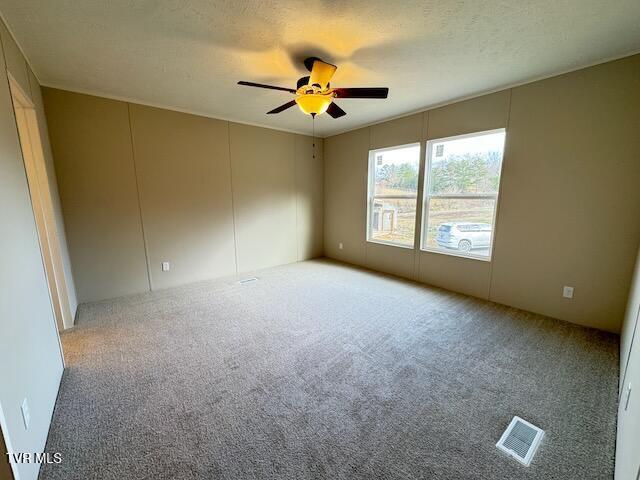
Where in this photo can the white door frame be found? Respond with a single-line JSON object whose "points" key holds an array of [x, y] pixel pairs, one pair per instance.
{"points": [[37, 177]]}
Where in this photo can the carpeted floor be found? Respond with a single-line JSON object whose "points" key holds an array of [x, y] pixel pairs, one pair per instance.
{"points": [[321, 370]]}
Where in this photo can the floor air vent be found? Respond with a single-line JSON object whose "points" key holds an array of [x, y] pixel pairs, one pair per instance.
{"points": [[521, 440], [248, 280]]}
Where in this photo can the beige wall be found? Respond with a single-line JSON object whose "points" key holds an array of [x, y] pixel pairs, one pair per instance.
{"points": [[91, 142], [263, 196], [570, 176], [142, 185], [345, 195], [572, 166], [309, 169], [183, 170], [30, 358]]}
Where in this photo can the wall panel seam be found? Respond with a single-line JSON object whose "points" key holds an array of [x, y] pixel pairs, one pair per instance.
{"points": [[135, 174], [233, 208], [324, 199]]}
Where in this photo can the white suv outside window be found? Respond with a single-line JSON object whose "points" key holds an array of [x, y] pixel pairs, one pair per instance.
{"points": [[464, 236]]}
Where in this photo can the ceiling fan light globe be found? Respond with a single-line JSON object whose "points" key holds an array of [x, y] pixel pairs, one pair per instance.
{"points": [[313, 103]]}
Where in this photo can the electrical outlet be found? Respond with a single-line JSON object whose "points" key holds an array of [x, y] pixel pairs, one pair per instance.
{"points": [[26, 416], [567, 292], [166, 266], [340, 246]]}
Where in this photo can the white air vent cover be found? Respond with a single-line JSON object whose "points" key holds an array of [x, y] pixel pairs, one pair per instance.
{"points": [[521, 440]]}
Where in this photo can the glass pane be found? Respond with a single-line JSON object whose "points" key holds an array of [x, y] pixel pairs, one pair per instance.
{"points": [[461, 226], [396, 171], [393, 220], [466, 165]]}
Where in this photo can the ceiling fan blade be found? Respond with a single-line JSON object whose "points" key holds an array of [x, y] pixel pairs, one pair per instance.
{"points": [[381, 92], [321, 73], [335, 111], [270, 87], [283, 107]]}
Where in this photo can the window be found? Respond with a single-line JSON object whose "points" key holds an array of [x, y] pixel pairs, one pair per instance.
{"points": [[462, 179], [393, 192]]}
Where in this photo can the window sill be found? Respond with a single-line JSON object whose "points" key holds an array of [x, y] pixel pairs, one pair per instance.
{"points": [[391, 244], [459, 255]]}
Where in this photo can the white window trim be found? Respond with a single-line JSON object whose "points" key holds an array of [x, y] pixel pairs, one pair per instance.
{"points": [[426, 198], [371, 190]]}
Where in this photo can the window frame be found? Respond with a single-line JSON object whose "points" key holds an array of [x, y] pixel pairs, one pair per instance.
{"points": [[426, 197], [371, 196]]}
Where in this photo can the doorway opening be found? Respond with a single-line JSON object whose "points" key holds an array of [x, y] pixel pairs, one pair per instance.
{"points": [[38, 180]]}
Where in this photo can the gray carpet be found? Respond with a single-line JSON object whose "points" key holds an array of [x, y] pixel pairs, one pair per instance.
{"points": [[322, 370]]}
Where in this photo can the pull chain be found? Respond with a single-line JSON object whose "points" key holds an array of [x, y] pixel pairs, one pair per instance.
{"points": [[313, 137]]}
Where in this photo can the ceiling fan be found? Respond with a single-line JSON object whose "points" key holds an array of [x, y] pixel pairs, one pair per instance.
{"points": [[314, 94]]}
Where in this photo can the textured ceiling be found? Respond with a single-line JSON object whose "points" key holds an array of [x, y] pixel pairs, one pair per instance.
{"points": [[188, 55]]}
